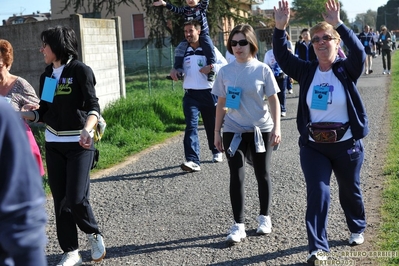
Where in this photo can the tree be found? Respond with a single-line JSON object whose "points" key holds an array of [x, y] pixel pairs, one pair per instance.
{"points": [[163, 23], [368, 18], [96, 6], [388, 15], [310, 12]]}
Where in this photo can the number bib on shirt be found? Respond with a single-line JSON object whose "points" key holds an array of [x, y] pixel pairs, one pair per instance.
{"points": [[320, 97], [49, 87], [233, 97]]}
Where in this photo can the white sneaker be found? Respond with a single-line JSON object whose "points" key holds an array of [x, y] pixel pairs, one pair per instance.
{"points": [[71, 258], [283, 114], [237, 233], [265, 225], [190, 167], [389, 72], [384, 72], [217, 157], [97, 246], [316, 255], [291, 91], [356, 239]]}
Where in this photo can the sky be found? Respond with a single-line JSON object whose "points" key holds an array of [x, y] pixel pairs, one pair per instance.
{"points": [[10, 7], [352, 7]]}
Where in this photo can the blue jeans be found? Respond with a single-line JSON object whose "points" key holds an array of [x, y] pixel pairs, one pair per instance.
{"points": [[318, 161], [194, 103]]}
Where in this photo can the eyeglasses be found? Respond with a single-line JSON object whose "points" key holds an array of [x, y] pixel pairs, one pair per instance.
{"points": [[240, 42], [326, 38]]}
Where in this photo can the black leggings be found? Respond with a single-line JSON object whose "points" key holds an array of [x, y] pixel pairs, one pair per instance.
{"points": [[260, 162]]}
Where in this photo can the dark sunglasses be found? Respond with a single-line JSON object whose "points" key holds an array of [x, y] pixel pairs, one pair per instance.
{"points": [[326, 38], [240, 42]]}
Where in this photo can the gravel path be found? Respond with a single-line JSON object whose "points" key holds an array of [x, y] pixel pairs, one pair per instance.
{"points": [[152, 213]]}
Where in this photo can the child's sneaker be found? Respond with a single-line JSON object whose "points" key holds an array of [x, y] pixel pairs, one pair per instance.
{"points": [[211, 76]]}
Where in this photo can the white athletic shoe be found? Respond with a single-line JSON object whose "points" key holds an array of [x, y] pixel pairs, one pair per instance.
{"points": [[237, 233], [97, 246], [265, 225], [71, 258]]}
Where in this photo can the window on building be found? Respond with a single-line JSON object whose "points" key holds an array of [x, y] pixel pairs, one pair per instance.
{"points": [[138, 26]]}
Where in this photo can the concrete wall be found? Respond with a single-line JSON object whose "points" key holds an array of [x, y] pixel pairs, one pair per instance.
{"points": [[100, 47]]}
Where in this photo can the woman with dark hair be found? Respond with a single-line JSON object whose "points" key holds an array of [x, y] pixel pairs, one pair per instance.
{"points": [[249, 127], [70, 109]]}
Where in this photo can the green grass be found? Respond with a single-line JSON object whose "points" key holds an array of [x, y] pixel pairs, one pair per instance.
{"points": [[141, 120], [389, 231]]}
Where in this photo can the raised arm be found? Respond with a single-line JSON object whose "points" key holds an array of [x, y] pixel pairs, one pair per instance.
{"points": [[332, 14], [282, 15]]}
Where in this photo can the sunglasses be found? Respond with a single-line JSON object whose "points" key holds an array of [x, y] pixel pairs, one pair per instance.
{"points": [[240, 42], [326, 38]]}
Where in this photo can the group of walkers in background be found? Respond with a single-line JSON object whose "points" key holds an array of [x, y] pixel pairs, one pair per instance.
{"points": [[375, 44]]}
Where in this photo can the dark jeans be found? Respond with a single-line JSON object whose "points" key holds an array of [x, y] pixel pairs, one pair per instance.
{"points": [[207, 47], [68, 166], [194, 103], [318, 161], [282, 84], [386, 53], [261, 165]]}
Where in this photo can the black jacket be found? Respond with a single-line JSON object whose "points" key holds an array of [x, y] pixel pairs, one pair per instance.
{"points": [[75, 96]]}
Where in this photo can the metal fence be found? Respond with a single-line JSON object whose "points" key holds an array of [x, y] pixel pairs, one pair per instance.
{"points": [[155, 63]]}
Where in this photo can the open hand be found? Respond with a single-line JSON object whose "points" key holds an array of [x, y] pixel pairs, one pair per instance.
{"points": [[331, 16], [282, 15]]}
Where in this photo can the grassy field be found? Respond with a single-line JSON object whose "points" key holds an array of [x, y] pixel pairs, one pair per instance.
{"points": [[389, 231]]}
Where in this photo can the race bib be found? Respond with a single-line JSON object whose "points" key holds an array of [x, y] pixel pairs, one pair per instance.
{"points": [[320, 97], [233, 97], [49, 87]]}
